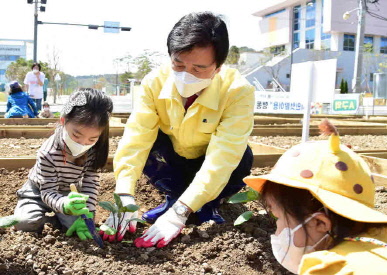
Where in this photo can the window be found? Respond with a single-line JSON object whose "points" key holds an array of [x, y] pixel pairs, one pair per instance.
{"points": [[325, 40], [9, 57], [296, 40], [383, 45], [309, 38], [311, 14], [296, 27], [349, 42], [277, 49], [368, 44], [296, 16], [325, 37]]}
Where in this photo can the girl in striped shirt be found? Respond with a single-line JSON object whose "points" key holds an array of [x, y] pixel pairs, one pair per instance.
{"points": [[73, 154]]}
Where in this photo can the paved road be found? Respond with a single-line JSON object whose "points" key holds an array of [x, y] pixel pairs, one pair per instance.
{"points": [[122, 104]]}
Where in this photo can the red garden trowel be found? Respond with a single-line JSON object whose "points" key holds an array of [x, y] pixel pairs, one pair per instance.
{"points": [[89, 223]]}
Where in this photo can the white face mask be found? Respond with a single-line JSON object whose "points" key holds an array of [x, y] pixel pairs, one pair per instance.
{"points": [[75, 148], [46, 109], [188, 84], [35, 71], [284, 250]]}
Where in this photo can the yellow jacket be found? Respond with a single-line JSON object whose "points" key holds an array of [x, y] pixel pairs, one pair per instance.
{"points": [[217, 124], [349, 257]]}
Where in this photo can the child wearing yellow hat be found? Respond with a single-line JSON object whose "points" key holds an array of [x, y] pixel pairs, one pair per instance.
{"points": [[322, 194]]}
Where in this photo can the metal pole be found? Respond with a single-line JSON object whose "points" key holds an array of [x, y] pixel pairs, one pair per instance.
{"points": [[117, 89], [36, 32], [357, 74], [308, 101], [291, 46]]}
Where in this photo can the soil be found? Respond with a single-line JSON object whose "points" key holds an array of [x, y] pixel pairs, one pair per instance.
{"points": [[27, 147], [209, 248], [365, 142], [11, 147], [206, 249]]}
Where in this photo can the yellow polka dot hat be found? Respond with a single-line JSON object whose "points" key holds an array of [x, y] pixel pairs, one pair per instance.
{"points": [[334, 174]]}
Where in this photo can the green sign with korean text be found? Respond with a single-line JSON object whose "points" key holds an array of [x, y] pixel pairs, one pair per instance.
{"points": [[345, 104]]}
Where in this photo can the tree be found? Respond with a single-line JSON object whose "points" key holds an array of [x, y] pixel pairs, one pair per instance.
{"points": [[53, 57], [139, 66], [124, 78], [233, 55], [345, 87], [342, 86], [17, 70], [245, 49], [100, 83], [145, 62], [274, 68]]}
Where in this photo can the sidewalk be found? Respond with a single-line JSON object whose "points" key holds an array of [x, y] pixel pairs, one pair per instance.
{"points": [[122, 104]]}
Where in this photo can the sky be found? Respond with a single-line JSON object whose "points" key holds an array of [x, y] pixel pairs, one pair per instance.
{"points": [[84, 52]]}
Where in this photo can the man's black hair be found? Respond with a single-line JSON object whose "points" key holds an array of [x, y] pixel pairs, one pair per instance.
{"points": [[201, 29]]}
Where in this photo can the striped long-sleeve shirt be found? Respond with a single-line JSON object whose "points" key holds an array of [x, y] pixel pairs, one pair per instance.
{"points": [[52, 175]]}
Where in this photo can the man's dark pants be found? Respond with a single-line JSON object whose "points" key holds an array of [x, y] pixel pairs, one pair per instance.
{"points": [[171, 173]]}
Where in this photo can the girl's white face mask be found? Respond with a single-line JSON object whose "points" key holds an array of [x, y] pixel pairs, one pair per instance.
{"points": [[284, 250], [75, 148], [46, 109], [35, 71], [188, 84]]}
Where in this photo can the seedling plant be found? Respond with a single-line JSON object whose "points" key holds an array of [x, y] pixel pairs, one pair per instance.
{"points": [[119, 209]]}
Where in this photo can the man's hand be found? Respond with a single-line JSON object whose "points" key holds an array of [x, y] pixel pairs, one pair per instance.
{"points": [[75, 204], [121, 225], [165, 229], [80, 227]]}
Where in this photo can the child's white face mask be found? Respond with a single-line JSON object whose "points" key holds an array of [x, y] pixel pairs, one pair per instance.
{"points": [[35, 71], [75, 148], [284, 250], [46, 109]]}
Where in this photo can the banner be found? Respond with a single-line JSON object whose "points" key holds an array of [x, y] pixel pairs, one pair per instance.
{"points": [[277, 103], [345, 104]]}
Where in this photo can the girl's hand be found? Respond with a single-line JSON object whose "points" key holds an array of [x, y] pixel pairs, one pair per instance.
{"points": [[75, 204], [80, 227]]}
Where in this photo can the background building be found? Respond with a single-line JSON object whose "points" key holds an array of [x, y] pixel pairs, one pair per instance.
{"points": [[10, 51], [316, 30]]}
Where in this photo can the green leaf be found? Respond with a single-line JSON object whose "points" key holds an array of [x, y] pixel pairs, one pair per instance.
{"points": [[8, 221], [243, 218], [118, 201], [109, 206], [129, 208], [242, 197], [136, 219], [108, 230], [252, 195], [127, 241], [238, 198]]}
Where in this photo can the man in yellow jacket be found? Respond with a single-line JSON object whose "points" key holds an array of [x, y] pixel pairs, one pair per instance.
{"points": [[188, 132]]}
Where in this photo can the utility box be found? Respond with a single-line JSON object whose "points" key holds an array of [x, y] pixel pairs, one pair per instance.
{"points": [[380, 85]]}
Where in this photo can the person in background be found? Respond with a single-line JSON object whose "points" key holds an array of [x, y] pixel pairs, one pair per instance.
{"points": [[34, 81], [188, 133], [45, 86], [322, 195], [46, 113], [73, 154], [19, 104]]}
